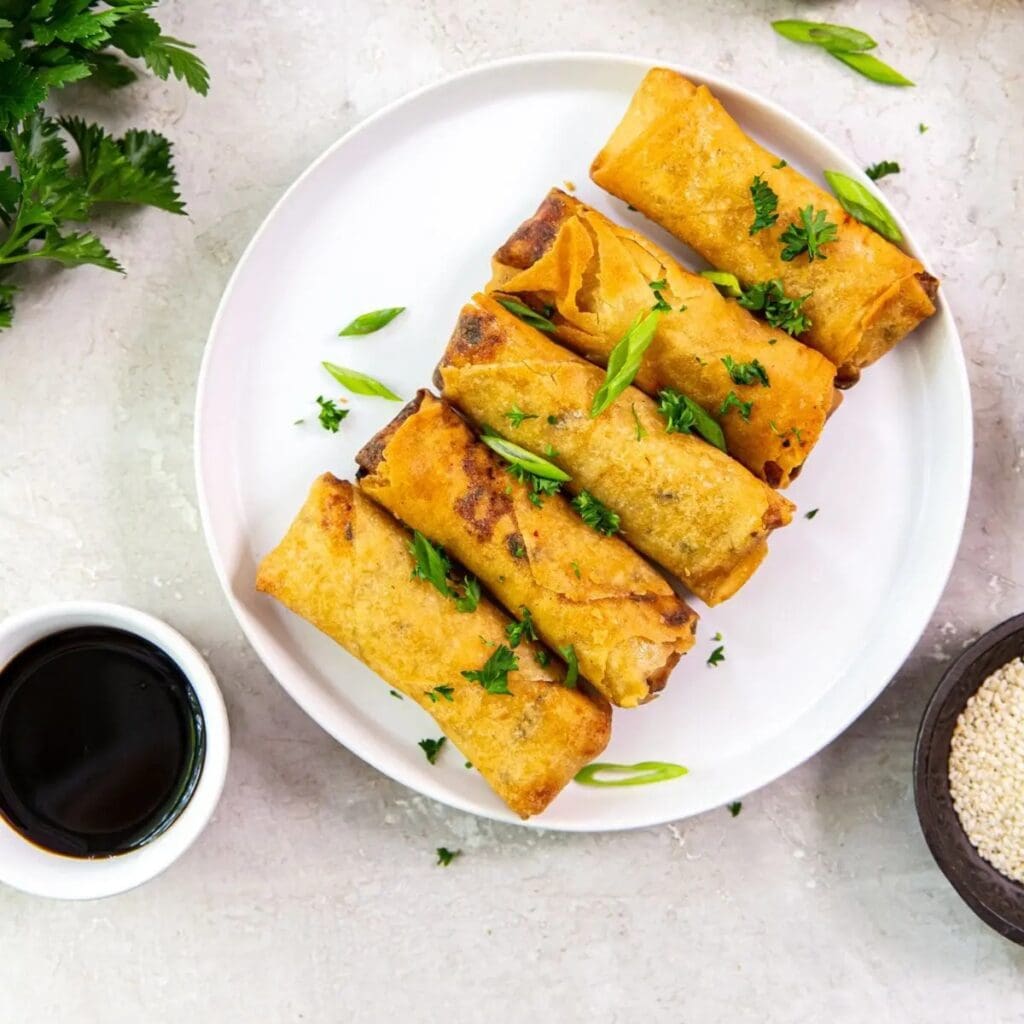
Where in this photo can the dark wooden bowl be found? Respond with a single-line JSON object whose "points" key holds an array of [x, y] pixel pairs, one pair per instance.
{"points": [[997, 900]]}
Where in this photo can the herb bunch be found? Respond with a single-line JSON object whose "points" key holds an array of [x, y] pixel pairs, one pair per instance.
{"points": [[44, 196]]}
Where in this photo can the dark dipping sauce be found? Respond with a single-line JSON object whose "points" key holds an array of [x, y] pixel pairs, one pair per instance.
{"points": [[101, 741]]}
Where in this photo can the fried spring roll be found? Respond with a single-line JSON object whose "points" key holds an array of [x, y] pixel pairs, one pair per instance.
{"points": [[682, 502], [565, 243], [679, 158], [584, 590], [345, 566]]}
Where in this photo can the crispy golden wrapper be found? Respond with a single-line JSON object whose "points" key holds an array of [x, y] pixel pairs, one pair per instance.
{"points": [[344, 565], [682, 502], [566, 243], [626, 625], [679, 158]]}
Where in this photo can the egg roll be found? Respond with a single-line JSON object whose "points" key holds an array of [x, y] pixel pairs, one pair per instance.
{"points": [[681, 501], [678, 157], [566, 243], [345, 566], [590, 596]]}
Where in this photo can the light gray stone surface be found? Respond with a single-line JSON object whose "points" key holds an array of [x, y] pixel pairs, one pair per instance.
{"points": [[314, 895]]}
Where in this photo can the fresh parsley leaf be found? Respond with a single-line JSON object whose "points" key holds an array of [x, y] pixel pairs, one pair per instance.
{"points": [[439, 692], [717, 656], [515, 416], [766, 205], [552, 421], [820, 33], [595, 514], [881, 169], [368, 323], [138, 35], [330, 415], [493, 677], [814, 231], [430, 563], [431, 748], [769, 298], [641, 433], [871, 67], [862, 205], [810, 515], [922, 128], [684, 416], [624, 360], [735, 807], [470, 594], [726, 283], [444, 856], [396, 694], [542, 657], [521, 630], [572, 670], [359, 383], [732, 400], [529, 316], [746, 373]]}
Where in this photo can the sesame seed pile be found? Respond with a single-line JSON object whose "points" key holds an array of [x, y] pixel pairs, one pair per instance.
{"points": [[986, 769]]}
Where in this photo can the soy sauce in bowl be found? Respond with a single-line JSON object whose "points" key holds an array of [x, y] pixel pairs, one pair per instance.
{"points": [[102, 741]]}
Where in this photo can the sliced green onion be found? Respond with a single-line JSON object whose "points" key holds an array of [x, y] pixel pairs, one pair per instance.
{"points": [[641, 774]]}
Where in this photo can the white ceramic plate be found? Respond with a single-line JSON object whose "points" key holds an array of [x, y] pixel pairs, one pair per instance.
{"points": [[406, 210]]}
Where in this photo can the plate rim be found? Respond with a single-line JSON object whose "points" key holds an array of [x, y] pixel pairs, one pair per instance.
{"points": [[437, 791]]}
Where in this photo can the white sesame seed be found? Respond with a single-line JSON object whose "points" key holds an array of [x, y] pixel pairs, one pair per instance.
{"points": [[986, 769]]}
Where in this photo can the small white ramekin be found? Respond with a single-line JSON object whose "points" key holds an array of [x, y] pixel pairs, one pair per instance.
{"points": [[43, 873]]}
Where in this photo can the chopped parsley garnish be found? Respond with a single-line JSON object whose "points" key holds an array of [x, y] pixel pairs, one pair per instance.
{"points": [[572, 672], [595, 514], [735, 807], [540, 321], [814, 231], [684, 416], [658, 287], [493, 677], [445, 856], [766, 204], [431, 563], [367, 323], [470, 594], [330, 415], [468, 764], [640, 432], [447, 692], [769, 298], [539, 487], [515, 416], [881, 169], [717, 637], [746, 373], [717, 656], [552, 421], [518, 551], [624, 360], [542, 658], [521, 630], [811, 514], [431, 748], [922, 128], [780, 165], [733, 401], [396, 694], [575, 569]]}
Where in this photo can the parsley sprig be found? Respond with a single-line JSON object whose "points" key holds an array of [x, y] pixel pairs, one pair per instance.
{"points": [[766, 204], [515, 416], [746, 373], [522, 630], [48, 45], [769, 298], [684, 416], [493, 676], [330, 415], [733, 401], [813, 231], [881, 169], [596, 514]]}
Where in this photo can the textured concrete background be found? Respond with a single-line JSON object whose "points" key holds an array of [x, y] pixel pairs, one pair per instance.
{"points": [[314, 895]]}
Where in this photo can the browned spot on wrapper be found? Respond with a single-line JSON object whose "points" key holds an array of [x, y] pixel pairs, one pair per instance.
{"points": [[533, 238], [371, 455]]}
